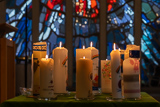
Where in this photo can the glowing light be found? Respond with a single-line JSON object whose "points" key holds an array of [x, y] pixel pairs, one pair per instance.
{"points": [[119, 49], [83, 47], [60, 44], [91, 44], [10, 39], [83, 57], [106, 59], [114, 46], [46, 57]]}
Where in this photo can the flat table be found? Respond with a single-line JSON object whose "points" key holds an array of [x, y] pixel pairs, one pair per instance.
{"points": [[69, 101]]}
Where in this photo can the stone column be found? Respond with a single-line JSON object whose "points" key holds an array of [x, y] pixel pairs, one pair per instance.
{"points": [[35, 20], [3, 11], [103, 36], [69, 37]]}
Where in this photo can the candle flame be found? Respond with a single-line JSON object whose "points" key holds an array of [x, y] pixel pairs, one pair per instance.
{"points": [[46, 56], [114, 46], [10, 39], [83, 57], [83, 47], [60, 44], [119, 49], [106, 59], [91, 44]]}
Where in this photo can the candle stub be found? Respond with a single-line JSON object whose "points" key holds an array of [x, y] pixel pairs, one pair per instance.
{"points": [[106, 82]]}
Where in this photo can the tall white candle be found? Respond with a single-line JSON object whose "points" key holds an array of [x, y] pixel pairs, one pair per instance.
{"points": [[106, 82], [84, 78], [46, 78], [116, 74], [131, 78], [60, 56], [95, 59], [83, 52]]}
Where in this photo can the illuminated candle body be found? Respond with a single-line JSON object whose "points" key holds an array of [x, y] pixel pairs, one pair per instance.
{"points": [[106, 82], [83, 52], [39, 51], [131, 78], [126, 53], [116, 74], [95, 59], [46, 78], [60, 56], [84, 78]]}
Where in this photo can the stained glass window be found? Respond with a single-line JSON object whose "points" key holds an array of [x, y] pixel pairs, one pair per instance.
{"points": [[150, 42], [52, 22], [120, 23], [85, 23], [16, 16]]}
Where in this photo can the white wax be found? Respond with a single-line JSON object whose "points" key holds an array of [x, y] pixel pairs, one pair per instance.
{"points": [[116, 74], [83, 78], [95, 59], [83, 52], [60, 56], [46, 78], [106, 82], [131, 78]]}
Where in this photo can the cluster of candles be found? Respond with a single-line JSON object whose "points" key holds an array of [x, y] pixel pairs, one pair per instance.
{"points": [[54, 74], [122, 78]]}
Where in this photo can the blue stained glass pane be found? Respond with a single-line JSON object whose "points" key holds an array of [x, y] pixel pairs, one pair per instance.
{"points": [[22, 49], [145, 18], [61, 40], [19, 2]]}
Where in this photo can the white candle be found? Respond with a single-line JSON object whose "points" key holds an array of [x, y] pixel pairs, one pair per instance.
{"points": [[95, 58], [116, 74], [60, 56], [131, 78], [83, 78], [39, 51], [83, 52], [106, 82], [46, 78]]}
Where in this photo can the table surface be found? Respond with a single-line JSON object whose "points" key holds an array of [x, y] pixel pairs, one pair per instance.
{"points": [[69, 101]]}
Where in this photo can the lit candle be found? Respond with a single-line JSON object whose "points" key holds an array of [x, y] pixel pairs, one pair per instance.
{"points": [[39, 51], [84, 78], [116, 74], [60, 56], [83, 52], [95, 58], [46, 78], [106, 82]]}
